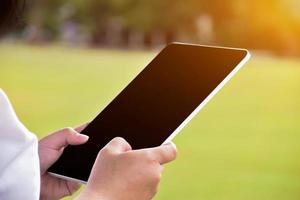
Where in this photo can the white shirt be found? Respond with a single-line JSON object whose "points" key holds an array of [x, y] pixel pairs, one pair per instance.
{"points": [[19, 161]]}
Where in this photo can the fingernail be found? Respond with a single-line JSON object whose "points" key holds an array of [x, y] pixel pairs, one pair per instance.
{"points": [[172, 144], [85, 137]]}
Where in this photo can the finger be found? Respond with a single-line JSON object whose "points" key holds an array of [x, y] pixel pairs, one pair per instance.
{"points": [[63, 138], [81, 127], [118, 145], [164, 153], [72, 186]]}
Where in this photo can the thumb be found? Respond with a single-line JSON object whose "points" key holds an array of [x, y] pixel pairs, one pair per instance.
{"points": [[164, 153], [63, 138]]}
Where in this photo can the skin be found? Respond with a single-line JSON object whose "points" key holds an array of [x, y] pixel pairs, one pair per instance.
{"points": [[119, 173], [50, 149]]}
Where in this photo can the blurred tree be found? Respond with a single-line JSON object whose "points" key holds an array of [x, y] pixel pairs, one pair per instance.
{"points": [[43, 21], [145, 17], [255, 24], [268, 24]]}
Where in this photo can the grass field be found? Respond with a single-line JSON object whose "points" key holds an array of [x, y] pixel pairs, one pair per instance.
{"points": [[244, 145]]}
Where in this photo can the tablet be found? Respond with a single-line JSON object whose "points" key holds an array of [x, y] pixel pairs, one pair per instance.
{"points": [[156, 105]]}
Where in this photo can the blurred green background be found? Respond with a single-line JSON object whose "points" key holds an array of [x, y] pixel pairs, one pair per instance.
{"points": [[268, 25], [243, 145], [70, 58]]}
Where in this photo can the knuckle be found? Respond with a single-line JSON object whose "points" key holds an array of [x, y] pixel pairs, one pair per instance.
{"points": [[155, 174], [156, 177], [68, 130]]}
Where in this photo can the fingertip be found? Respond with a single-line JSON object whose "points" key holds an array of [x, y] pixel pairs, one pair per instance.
{"points": [[172, 144], [119, 144], [173, 149], [82, 137]]}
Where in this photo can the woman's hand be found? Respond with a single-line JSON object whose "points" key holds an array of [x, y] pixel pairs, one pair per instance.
{"points": [[50, 149], [120, 173]]}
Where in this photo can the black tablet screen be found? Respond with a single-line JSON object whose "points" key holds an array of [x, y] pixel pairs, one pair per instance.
{"points": [[154, 104]]}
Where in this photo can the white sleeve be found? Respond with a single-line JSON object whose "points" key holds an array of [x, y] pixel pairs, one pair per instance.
{"points": [[19, 161]]}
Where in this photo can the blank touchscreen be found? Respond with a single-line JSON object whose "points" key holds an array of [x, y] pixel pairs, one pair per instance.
{"points": [[154, 104]]}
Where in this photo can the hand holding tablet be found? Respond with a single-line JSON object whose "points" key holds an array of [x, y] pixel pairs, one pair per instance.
{"points": [[156, 105], [122, 173]]}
